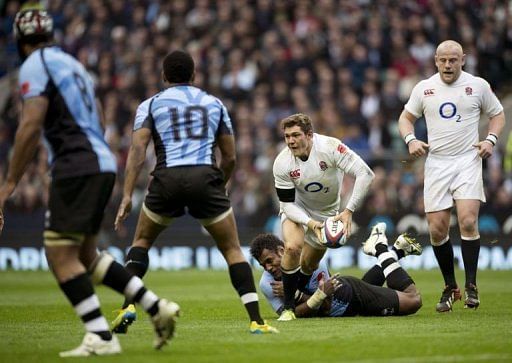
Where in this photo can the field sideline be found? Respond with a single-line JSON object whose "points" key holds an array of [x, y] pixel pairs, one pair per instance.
{"points": [[37, 322]]}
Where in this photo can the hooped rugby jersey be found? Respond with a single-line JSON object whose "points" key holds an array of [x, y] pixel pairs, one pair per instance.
{"points": [[185, 122], [452, 111], [72, 127], [317, 181]]}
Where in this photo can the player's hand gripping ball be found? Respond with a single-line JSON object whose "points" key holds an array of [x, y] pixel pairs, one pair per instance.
{"points": [[333, 233]]}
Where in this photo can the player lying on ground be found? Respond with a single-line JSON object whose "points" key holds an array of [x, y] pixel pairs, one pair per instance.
{"points": [[336, 295]]}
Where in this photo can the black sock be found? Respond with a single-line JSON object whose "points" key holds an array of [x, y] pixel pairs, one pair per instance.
{"points": [[444, 256], [470, 253], [290, 283], [374, 276], [303, 280], [79, 291], [400, 253], [396, 277], [243, 282], [379, 249], [136, 263]]}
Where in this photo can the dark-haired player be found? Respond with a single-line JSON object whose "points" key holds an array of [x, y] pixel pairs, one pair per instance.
{"points": [[58, 97], [308, 175], [336, 296], [453, 102], [186, 124]]}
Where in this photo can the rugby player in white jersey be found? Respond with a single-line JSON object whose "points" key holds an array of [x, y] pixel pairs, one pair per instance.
{"points": [[452, 102], [308, 176]]}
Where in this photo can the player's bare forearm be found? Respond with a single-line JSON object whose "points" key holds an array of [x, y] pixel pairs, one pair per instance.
{"points": [[496, 124], [406, 123], [136, 158], [302, 310], [27, 139], [226, 144], [227, 165], [486, 147], [134, 164], [25, 145]]}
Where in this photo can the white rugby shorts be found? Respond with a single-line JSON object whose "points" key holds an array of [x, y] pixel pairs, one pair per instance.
{"points": [[309, 236], [448, 178]]}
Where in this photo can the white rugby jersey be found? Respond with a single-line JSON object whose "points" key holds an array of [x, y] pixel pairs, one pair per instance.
{"points": [[317, 181], [452, 111]]}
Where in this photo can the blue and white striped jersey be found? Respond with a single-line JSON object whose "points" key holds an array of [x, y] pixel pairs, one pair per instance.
{"points": [[72, 126], [185, 122]]}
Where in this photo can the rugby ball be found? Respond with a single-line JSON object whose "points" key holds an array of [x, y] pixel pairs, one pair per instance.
{"points": [[333, 233]]}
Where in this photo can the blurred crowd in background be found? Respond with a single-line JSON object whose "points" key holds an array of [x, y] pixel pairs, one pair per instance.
{"points": [[349, 64]]}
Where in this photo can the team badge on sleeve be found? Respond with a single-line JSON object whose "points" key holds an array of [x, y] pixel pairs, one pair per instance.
{"points": [[25, 87], [341, 148]]}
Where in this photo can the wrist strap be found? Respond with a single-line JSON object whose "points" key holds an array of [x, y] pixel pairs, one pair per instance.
{"points": [[316, 300], [492, 138], [409, 138]]}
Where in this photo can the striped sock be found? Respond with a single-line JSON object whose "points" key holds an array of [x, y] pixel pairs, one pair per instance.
{"points": [[130, 286], [80, 293], [397, 278]]}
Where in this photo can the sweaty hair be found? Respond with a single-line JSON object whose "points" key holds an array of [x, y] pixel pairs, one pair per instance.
{"points": [[298, 119], [262, 241], [178, 67]]}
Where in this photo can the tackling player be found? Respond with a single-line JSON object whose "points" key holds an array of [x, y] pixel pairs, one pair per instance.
{"points": [[337, 296], [452, 102], [308, 176]]}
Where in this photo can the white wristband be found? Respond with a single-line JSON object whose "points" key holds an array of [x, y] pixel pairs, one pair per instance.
{"points": [[408, 138], [316, 300], [492, 138]]}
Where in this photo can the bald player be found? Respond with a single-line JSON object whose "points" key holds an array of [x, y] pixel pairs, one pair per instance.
{"points": [[452, 102]]}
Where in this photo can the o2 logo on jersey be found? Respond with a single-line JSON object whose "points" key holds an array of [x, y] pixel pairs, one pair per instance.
{"points": [[448, 110], [316, 187]]}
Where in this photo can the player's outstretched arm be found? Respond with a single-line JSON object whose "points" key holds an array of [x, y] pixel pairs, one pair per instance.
{"points": [[25, 145], [134, 164]]}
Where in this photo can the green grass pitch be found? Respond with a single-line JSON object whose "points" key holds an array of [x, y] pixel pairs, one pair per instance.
{"points": [[36, 323]]}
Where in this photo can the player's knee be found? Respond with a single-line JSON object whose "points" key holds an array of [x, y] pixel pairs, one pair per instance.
{"points": [[293, 251], [308, 268], [467, 224], [100, 266], [438, 239]]}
